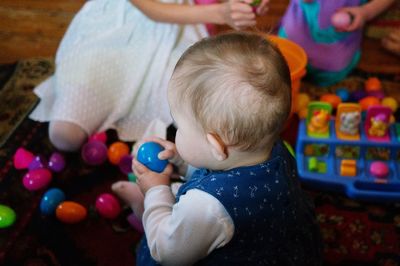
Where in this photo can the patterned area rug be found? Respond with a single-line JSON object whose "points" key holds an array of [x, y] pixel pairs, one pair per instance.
{"points": [[17, 92], [354, 233]]}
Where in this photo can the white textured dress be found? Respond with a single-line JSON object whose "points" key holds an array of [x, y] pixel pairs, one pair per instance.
{"points": [[112, 70]]}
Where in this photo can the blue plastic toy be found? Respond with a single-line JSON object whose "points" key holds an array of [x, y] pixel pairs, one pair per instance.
{"points": [[352, 162], [148, 156], [50, 200]]}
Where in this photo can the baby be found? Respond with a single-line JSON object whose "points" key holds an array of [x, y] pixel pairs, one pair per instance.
{"points": [[230, 96]]}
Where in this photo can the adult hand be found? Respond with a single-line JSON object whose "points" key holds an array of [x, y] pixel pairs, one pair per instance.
{"points": [[262, 8], [239, 14], [146, 179], [391, 42]]}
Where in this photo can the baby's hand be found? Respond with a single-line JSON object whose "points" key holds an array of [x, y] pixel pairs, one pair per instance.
{"points": [[147, 179], [239, 14], [170, 153], [358, 15]]}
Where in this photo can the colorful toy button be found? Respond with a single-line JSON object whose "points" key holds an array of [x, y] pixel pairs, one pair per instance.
{"points": [[379, 169], [348, 167]]}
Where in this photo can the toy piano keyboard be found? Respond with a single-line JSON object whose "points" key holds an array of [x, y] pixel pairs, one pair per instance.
{"points": [[360, 157]]}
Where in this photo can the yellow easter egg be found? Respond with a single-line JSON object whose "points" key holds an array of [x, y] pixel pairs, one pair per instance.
{"points": [[391, 103], [302, 101]]}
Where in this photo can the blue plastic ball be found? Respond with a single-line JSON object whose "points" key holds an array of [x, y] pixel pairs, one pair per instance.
{"points": [[148, 156], [50, 200], [343, 93]]}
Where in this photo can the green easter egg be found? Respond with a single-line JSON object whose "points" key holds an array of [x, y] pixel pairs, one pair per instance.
{"points": [[7, 216], [132, 177], [255, 3]]}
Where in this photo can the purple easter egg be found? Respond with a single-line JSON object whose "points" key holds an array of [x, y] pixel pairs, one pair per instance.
{"points": [[378, 94], [135, 222], [38, 162], [125, 164], [56, 162], [37, 179], [108, 206], [94, 152], [22, 158], [357, 95]]}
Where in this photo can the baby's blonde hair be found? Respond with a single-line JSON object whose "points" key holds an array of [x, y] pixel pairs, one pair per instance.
{"points": [[238, 86]]}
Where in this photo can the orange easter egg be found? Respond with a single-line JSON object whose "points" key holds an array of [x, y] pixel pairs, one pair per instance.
{"points": [[331, 98], [301, 102], [116, 151], [372, 84], [70, 212], [368, 101]]}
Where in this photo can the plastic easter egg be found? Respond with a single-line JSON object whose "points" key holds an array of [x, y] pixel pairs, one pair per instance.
{"points": [[116, 151], [343, 93], [50, 200], [378, 94], [302, 101], [125, 164], [101, 136], [368, 101], [135, 223], [7, 216], [56, 162], [148, 156], [132, 177], [341, 20], [357, 95], [70, 212], [94, 152], [38, 162], [108, 206], [391, 103], [303, 113], [333, 99], [22, 158], [37, 179], [372, 84]]}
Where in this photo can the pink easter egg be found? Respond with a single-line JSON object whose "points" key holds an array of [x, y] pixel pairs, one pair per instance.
{"points": [[101, 136], [108, 206], [22, 158], [37, 179], [341, 20]]}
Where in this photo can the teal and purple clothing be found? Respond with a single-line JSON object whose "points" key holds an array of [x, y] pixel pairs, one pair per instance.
{"points": [[331, 54]]}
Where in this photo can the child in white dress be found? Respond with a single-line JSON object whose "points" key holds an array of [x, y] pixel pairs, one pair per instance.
{"points": [[114, 62]]}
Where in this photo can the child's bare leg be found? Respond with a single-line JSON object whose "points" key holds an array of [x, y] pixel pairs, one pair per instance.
{"points": [[66, 136], [131, 194], [392, 42]]}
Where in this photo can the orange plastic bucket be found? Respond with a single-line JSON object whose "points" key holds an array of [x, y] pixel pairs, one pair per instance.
{"points": [[296, 59]]}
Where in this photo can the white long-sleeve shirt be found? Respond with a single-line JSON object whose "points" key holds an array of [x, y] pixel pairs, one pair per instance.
{"points": [[184, 232]]}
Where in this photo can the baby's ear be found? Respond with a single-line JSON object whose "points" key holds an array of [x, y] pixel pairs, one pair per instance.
{"points": [[218, 147]]}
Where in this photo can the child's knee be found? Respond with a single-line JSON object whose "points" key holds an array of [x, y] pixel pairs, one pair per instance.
{"points": [[66, 136]]}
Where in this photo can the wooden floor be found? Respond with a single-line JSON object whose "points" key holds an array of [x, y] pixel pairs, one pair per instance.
{"points": [[34, 28]]}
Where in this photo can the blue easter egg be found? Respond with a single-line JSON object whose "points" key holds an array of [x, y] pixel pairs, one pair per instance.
{"points": [[50, 200], [148, 156], [343, 93]]}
